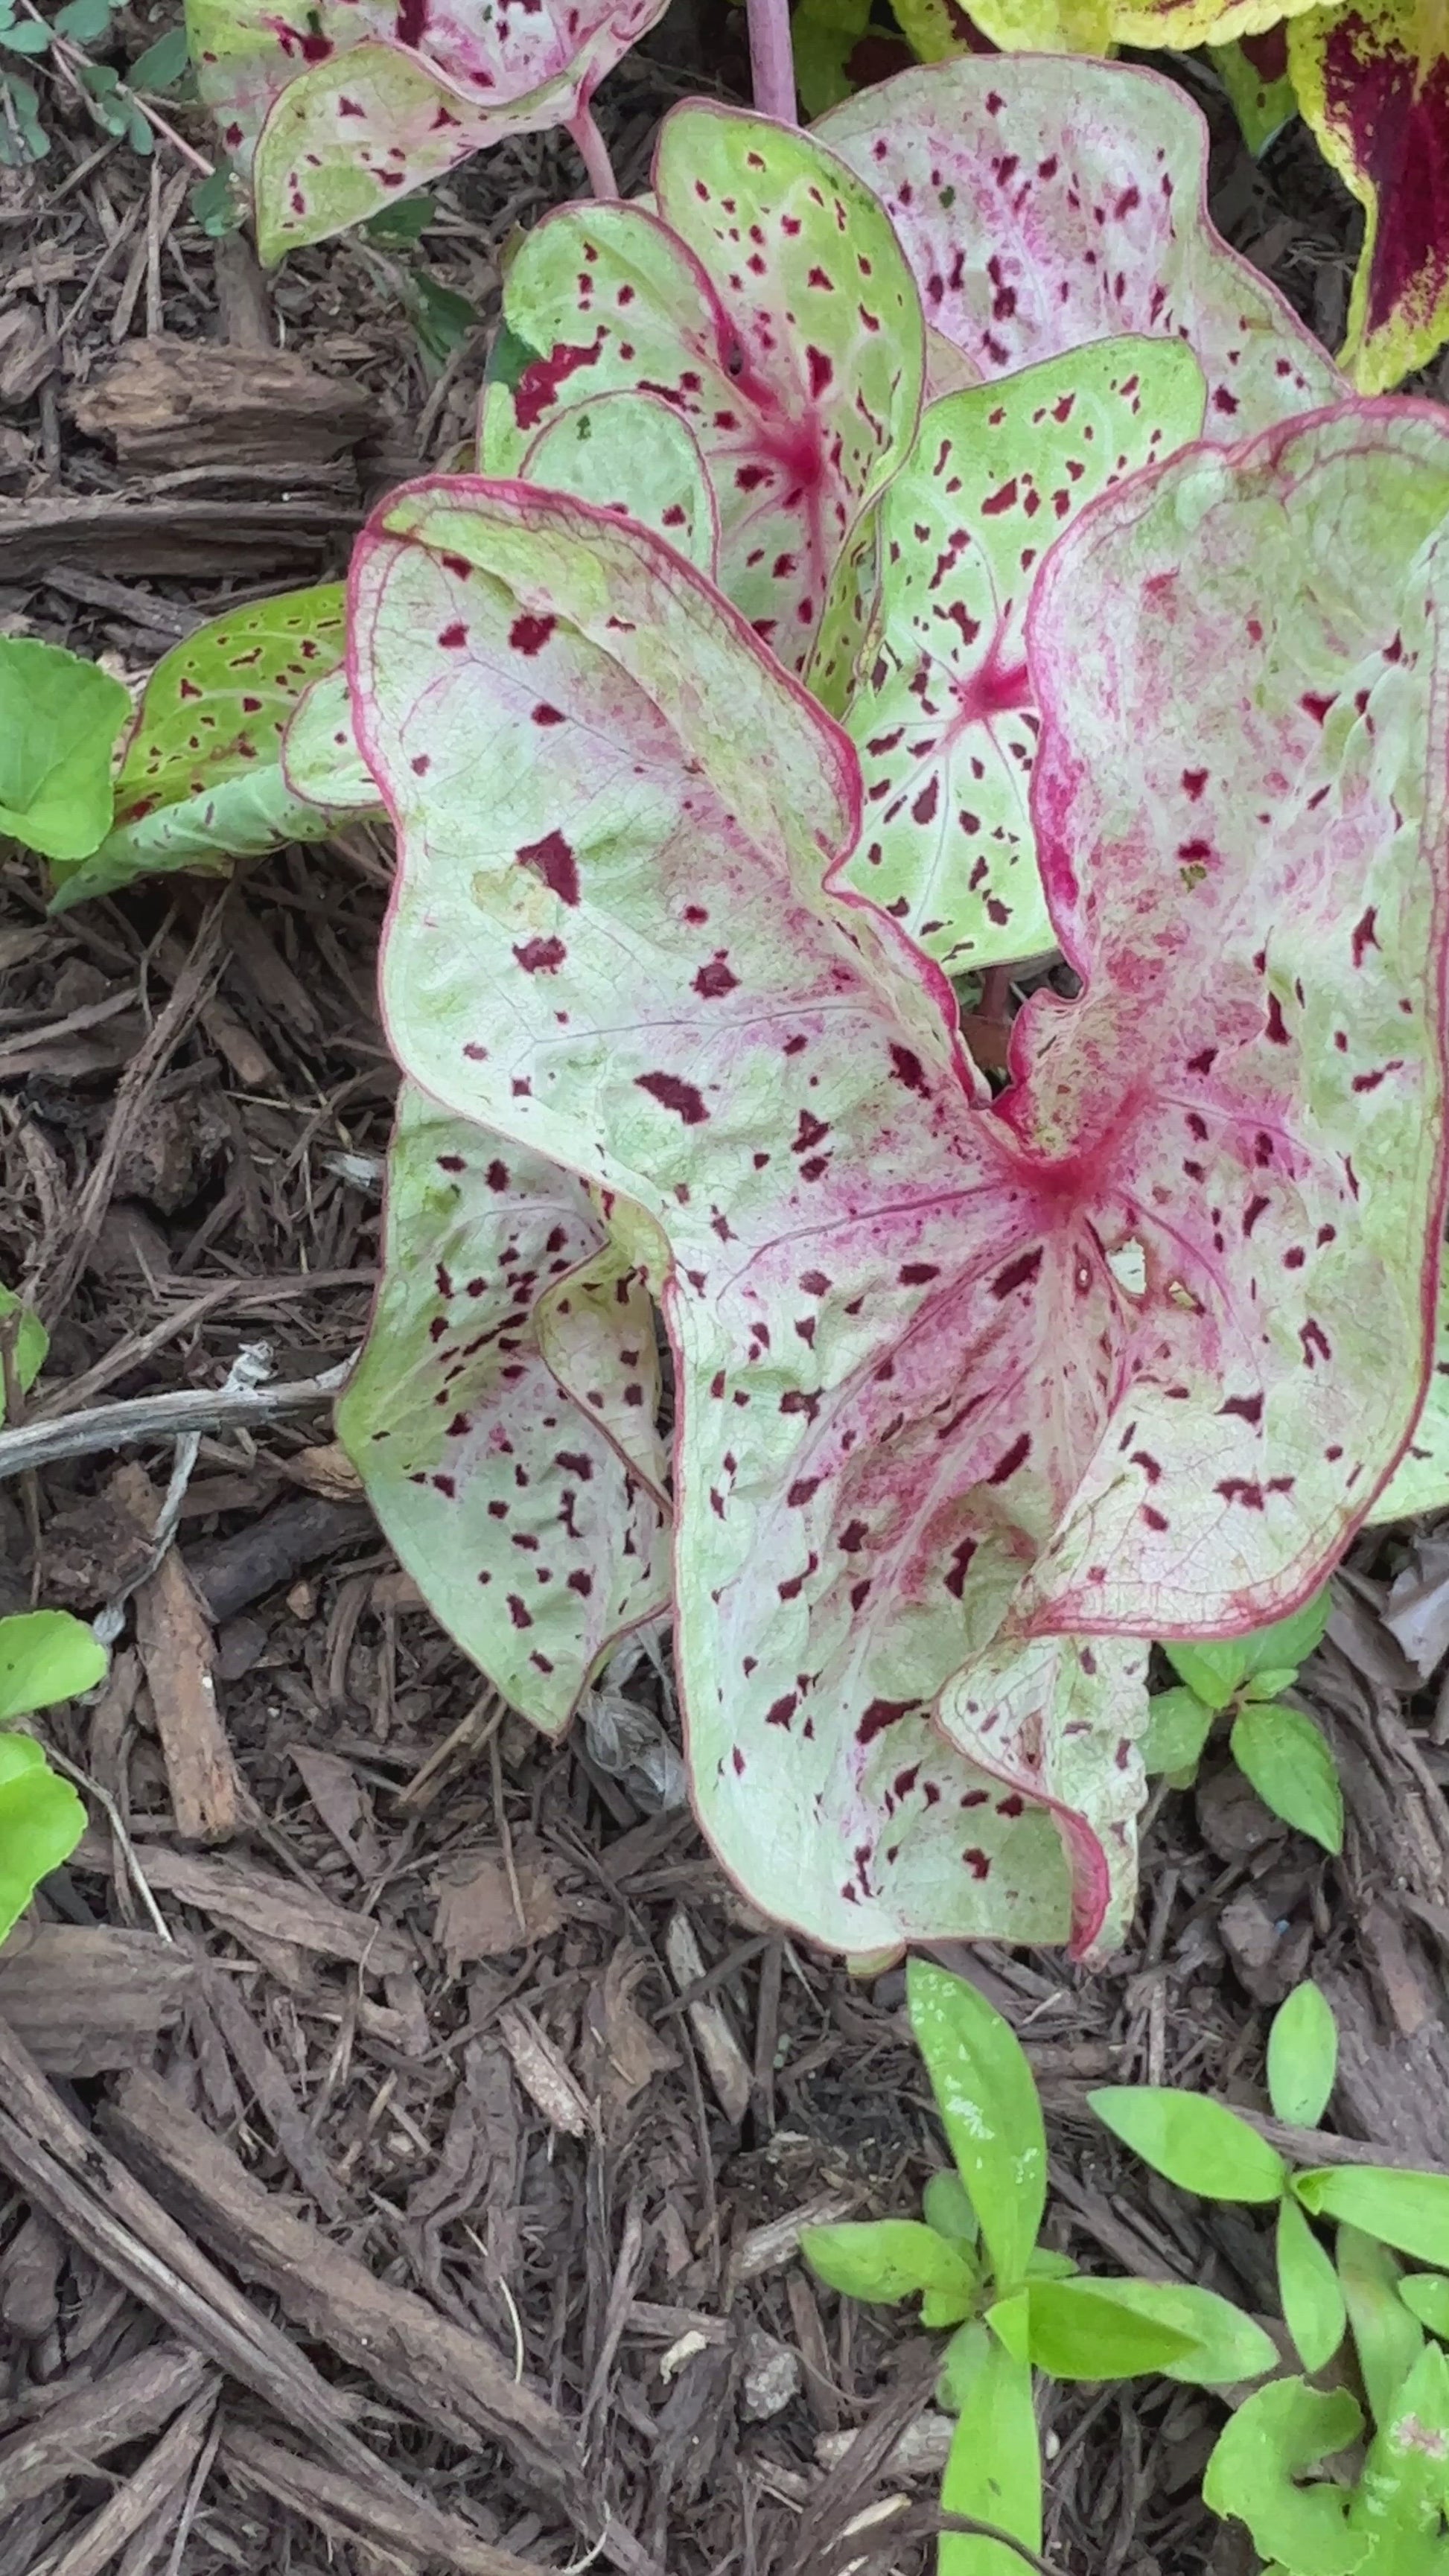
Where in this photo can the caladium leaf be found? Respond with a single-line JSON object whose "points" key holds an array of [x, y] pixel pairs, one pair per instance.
{"points": [[933, 1421], [1420, 1482], [1373, 82], [943, 712], [1047, 202], [768, 303], [337, 107], [631, 454], [201, 780], [1255, 74], [512, 1502]]}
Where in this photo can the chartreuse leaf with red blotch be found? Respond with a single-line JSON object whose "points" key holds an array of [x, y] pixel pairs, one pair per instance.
{"points": [[1046, 202], [943, 712], [972, 1398], [1373, 82], [1255, 74], [201, 781], [337, 107], [515, 1505], [631, 454], [768, 304]]}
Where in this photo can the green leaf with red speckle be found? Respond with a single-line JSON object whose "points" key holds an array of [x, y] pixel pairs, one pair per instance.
{"points": [[943, 712], [337, 108], [1044, 202], [631, 454], [201, 780], [768, 304], [513, 1503], [972, 1397], [1373, 83], [1255, 74]]}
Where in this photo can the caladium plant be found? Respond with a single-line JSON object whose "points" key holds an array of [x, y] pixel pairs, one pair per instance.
{"points": [[336, 108], [766, 300], [972, 1397]]}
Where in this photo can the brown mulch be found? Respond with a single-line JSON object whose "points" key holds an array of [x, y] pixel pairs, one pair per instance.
{"points": [[404, 2129]]}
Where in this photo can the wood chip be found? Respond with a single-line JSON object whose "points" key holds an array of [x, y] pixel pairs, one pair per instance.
{"points": [[144, 2495], [543, 2072], [252, 1901], [345, 2510], [177, 1653], [766, 2248], [85, 2001], [94, 2417], [477, 1915], [174, 402], [725, 2061]]}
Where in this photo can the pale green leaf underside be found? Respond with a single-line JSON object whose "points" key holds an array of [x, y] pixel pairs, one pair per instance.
{"points": [[943, 712]]}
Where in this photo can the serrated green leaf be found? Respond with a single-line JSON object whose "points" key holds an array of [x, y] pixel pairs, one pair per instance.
{"points": [[1177, 1729], [1081, 2330], [1286, 1757], [1276, 2435], [41, 1819], [946, 2206], [1212, 1671], [59, 719], [993, 2473], [1407, 2210], [32, 1341], [46, 1655], [1387, 2339], [1426, 2296], [988, 2103], [1309, 2290], [892, 2258], [1199, 2144], [1302, 2056]]}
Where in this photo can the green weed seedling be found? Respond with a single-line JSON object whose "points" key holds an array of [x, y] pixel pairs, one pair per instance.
{"points": [[1014, 2305], [1239, 1681], [45, 1655], [60, 719]]}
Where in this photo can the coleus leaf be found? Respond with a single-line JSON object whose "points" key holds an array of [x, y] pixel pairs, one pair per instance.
{"points": [[942, 712], [1045, 202], [532, 1515], [932, 1446], [1373, 82], [1255, 74], [338, 107], [768, 303]]}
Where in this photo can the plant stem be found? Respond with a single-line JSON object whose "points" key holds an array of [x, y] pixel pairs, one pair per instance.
{"points": [[593, 151], [772, 61]]}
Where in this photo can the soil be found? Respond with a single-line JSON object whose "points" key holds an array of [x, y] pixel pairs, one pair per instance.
{"points": [[405, 2131]]}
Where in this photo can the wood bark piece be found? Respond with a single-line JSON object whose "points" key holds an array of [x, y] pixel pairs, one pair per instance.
{"points": [[96, 2417], [64, 2171], [175, 402], [447, 2378], [144, 2494], [177, 1653], [252, 1901], [85, 2001], [192, 537], [345, 2510]]}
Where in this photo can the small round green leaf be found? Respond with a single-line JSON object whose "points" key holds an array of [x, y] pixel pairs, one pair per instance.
{"points": [[59, 719], [46, 1655], [1288, 1762], [1309, 2289], [1409, 2210], [1426, 2296], [1198, 2144], [988, 2103], [1302, 2056], [41, 1821]]}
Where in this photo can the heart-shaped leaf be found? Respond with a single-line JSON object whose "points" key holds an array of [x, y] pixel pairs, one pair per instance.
{"points": [[939, 1444], [768, 303], [942, 710], [532, 1515], [1044, 203]]}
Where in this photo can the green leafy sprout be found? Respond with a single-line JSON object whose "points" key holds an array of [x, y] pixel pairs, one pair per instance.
{"points": [[1238, 1683], [45, 1655], [1014, 2305]]}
